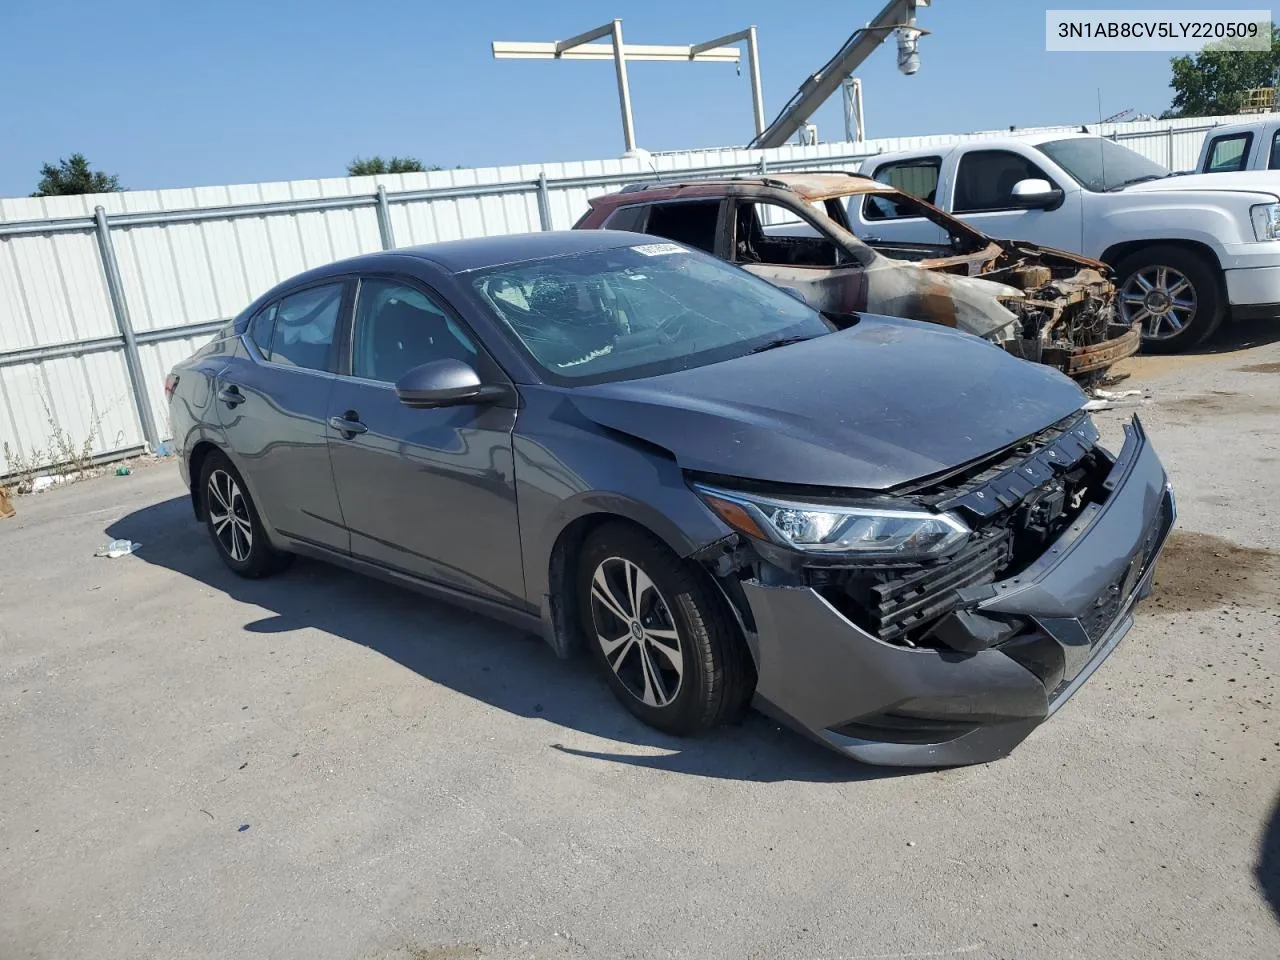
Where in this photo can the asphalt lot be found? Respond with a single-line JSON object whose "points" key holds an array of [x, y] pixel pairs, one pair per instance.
{"points": [[320, 766]]}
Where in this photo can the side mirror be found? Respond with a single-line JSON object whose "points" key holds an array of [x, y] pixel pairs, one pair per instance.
{"points": [[1036, 193], [444, 383]]}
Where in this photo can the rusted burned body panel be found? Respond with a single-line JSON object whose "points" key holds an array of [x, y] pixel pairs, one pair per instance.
{"points": [[1044, 305]]}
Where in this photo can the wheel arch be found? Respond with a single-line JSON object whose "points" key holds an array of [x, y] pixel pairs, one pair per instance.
{"points": [[556, 587], [1119, 251]]}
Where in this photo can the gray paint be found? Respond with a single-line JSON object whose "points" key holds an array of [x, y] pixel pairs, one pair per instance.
{"points": [[468, 501]]}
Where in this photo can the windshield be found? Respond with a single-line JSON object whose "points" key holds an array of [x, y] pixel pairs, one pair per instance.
{"points": [[639, 311], [1100, 165]]}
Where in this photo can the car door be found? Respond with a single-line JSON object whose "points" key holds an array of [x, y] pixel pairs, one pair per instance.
{"points": [[696, 222], [273, 400], [427, 492], [982, 194], [784, 245], [874, 219]]}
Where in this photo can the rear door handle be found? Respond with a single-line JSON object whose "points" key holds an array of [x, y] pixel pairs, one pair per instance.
{"points": [[231, 395], [349, 425]]}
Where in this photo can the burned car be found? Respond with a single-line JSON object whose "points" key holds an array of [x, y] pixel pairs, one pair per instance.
{"points": [[814, 233]]}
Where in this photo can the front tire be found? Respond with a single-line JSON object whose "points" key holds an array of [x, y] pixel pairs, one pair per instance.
{"points": [[664, 639], [1176, 295], [233, 521]]}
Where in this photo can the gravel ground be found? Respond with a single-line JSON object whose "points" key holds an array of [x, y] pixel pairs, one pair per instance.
{"points": [[321, 766]]}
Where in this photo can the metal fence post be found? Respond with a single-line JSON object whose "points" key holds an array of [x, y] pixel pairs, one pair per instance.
{"points": [[1169, 145], [383, 210], [764, 166], [111, 269], [544, 201]]}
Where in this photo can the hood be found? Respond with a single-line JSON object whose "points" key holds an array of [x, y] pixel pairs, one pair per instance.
{"points": [[1244, 181], [874, 406]]}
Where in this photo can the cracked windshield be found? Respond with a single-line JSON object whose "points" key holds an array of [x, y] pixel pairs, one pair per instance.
{"points": [[640, 311]]}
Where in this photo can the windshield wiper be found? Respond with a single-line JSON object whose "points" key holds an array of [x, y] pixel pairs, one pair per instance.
{"points": [[779, 342], [1142, 179]]}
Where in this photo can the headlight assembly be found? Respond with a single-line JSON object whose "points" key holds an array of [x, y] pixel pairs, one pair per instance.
{"points": [[1266, 221], [872, 533]]}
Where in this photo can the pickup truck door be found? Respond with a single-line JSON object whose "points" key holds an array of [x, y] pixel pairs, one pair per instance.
{"points": [[980, 191]]}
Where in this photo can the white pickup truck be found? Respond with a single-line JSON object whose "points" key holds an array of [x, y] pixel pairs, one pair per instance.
{"points": [[1186, 249], [1249, 145]]}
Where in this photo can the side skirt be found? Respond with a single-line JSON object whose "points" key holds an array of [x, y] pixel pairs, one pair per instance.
{"points": [[529, 621]]}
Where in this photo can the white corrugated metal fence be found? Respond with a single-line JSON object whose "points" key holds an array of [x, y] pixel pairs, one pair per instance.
{"points": [[187, 259]]}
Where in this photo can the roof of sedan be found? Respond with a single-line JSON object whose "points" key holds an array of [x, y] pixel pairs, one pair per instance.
{"points": [[459, 256]]}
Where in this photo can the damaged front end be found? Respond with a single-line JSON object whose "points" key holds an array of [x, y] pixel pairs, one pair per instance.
{"points": [[955, 658], [1062, 306], [1039, 305], [1067, 311]]}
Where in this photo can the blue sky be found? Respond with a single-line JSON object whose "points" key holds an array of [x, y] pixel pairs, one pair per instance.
{"points": [[170, 94]]}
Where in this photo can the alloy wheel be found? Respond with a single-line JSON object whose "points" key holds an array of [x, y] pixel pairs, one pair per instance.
{"points": [[636, 632], [1159, 297], [229, 516]]}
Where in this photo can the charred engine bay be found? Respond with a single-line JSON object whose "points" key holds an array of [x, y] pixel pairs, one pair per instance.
{"points": [[1016, 502]]}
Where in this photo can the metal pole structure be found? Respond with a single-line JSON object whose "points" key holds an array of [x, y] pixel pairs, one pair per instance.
{"points": [[580, 48], [1169, 147], [383, 210], [624, 91], [111, 269], [753, 67], [544, 201], [857, 109]]}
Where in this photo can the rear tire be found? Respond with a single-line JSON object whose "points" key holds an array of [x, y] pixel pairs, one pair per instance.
{"points": [[1176, 294], [667, 644], [233, 521]]}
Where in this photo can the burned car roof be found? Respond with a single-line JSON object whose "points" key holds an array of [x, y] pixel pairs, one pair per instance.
{"points": [[808, 186]]}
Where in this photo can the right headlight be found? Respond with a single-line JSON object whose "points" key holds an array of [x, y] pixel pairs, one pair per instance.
{"points": [[867, 532], [1266, 221]]}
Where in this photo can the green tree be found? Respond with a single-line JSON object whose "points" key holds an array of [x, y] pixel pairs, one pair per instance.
{"points": [[73, 176], [1214, 81], [366, 167]]}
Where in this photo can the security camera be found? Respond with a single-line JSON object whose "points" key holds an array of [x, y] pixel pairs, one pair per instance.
{"points": [[908, 50]]}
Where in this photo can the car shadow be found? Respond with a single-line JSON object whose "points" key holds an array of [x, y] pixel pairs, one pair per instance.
{"points": [[1268, 869], [483, 659], [1240, 335]]}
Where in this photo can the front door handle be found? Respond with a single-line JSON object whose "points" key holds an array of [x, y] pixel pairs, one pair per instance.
{"points": [[231, 395], [348, 425]]}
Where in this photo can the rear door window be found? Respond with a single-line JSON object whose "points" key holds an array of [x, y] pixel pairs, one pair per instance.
{"points": [[918, 177], [1228, 154], [1273, 161], [691, 222], [305, 324], [628, 218]]}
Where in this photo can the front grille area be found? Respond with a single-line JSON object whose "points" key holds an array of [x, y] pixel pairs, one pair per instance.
{"points": [[900, 607], [1017, 503]]}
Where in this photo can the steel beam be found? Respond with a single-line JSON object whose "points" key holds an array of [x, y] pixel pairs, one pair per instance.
{"points": [[115, 288]]}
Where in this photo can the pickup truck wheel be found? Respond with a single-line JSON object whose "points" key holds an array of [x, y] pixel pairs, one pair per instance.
{"points": [[1175, 295]]}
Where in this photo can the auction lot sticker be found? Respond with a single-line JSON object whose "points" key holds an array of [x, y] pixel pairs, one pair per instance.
{"points": [[1167, 30]]}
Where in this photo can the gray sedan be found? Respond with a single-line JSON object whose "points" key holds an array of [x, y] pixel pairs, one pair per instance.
{"points": [[895, 537]]}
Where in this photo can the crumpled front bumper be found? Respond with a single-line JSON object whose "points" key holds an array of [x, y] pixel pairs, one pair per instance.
{"points": [[886, 704]]}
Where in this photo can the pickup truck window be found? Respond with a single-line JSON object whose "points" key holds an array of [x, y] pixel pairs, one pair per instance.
{"points": [[1273, 161], [918, 177], [1099, 165], [1228, 154], [985, 180]]}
